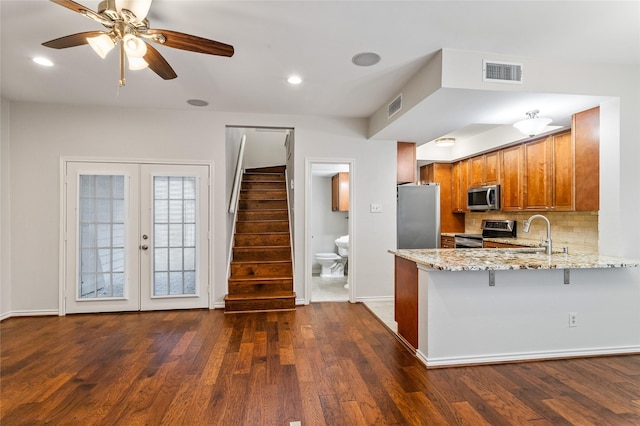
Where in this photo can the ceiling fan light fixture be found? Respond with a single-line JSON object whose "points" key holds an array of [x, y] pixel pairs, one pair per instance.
{"points": [[445, 142], [137, 63], [533, 124], [135, 47], [101, 44], [140, 8]]}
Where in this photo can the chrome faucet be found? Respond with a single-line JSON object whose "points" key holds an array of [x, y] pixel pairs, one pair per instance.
{"points": [[527, 224]]}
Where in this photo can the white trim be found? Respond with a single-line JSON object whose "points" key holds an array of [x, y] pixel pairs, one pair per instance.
{"points": [[375, 299], [525, 356], [30, 313], [351, 279]]}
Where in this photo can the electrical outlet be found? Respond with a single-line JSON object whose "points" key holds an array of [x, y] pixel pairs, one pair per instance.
{"points": [[573, 319]]}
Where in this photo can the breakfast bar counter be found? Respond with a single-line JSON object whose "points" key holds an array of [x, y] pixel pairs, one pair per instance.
{"points": [[508, 259], [473, 306]]}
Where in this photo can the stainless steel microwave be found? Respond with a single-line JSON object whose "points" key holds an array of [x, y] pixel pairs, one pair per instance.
{"points": [[483, 198]]}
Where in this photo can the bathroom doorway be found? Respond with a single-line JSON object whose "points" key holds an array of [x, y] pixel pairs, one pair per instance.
{"points": [[329, 247]]}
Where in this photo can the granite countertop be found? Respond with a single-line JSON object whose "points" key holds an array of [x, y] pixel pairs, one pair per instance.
{"points": [[508, 259]]}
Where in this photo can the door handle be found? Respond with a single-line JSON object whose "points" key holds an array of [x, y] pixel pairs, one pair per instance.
{"points": [[144, 247]]}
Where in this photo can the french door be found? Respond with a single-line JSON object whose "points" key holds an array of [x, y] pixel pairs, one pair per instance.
{"points": [[136, 237]]}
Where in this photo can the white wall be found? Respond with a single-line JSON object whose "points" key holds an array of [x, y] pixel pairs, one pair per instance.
{"points": [[40, 134], [264, 148], [5, 222]]}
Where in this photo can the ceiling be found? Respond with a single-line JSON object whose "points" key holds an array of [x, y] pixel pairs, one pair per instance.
{"points": [[315, 39]]}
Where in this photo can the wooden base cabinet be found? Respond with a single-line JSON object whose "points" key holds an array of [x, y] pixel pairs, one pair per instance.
{"points": [[406, 301]]}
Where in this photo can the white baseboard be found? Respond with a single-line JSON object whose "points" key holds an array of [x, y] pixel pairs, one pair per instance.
{"points": [[525, 356], [35, 313], [375, 299]]}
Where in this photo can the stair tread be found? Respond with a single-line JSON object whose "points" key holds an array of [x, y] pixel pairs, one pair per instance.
{"points": [[260, 277], [261, 247]]}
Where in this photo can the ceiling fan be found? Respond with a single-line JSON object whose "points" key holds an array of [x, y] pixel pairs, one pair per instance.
{"points": [[128, 27]]}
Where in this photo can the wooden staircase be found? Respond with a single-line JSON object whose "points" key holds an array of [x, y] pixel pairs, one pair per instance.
{"points": [[262, 269]]}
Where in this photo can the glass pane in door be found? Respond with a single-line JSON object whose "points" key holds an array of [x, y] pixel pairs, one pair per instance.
{"points": [[101, 236], [174, 229]]}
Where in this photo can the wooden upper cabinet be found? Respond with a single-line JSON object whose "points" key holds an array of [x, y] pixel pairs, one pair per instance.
{"points": [[441, 173], [586, 135], [340, 192], [406, 163], [537, 189], [484, 169], [460, 186], [511, 178], [562, 181]]}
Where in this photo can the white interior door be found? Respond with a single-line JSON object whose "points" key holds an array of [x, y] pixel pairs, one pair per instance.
{"points": [[137, 237]]}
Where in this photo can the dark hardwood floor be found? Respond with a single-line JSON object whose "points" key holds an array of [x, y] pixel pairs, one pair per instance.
{"points": [[326, 363]]}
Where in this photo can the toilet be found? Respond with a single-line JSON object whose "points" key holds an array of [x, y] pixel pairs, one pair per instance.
{"points": [[332, 265]]}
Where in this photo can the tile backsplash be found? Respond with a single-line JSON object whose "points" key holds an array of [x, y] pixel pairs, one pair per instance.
{"points": [[572, 228]]}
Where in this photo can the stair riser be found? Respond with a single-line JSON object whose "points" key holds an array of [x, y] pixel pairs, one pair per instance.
{"points": [[264, 185], [259, 305], [262, 215], [258, 227], [262, 204], [240, 287], [250, 194], [271, 177], [262, 254], [254, 240], [239, 270], [268, 169]]}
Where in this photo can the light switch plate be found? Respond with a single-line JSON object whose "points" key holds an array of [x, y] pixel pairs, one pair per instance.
{"points": [[375, 207]]}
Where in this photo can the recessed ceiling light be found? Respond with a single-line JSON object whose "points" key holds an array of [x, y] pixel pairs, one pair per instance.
{"points": [[294, 79], [366, 59], [43, 61], [197, 102]]}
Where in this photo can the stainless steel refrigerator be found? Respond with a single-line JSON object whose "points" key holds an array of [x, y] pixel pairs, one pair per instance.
{"points": [[418, 216]]}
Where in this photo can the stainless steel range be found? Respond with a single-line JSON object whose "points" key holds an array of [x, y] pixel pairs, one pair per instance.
{"points": [[490, 229]]}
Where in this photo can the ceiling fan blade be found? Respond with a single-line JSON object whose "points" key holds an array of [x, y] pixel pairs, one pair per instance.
{"points": [[193, 43], [72, 40], [84, 11], [76, 7], [158, 64]]}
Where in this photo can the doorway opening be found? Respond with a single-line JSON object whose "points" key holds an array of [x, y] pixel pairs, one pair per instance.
{"points": [[329, 231]]}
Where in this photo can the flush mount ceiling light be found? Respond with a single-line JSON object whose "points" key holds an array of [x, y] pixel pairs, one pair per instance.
{"points": [[445, 141], [42, 61], [294, 79], [365, 59], [533, 124]]}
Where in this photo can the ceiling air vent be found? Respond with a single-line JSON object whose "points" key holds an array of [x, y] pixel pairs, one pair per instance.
{"points": [[394, 106], [502, 72]]}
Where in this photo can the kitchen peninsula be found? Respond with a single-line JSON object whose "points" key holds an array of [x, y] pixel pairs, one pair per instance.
{"points": [[471, 306]]}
